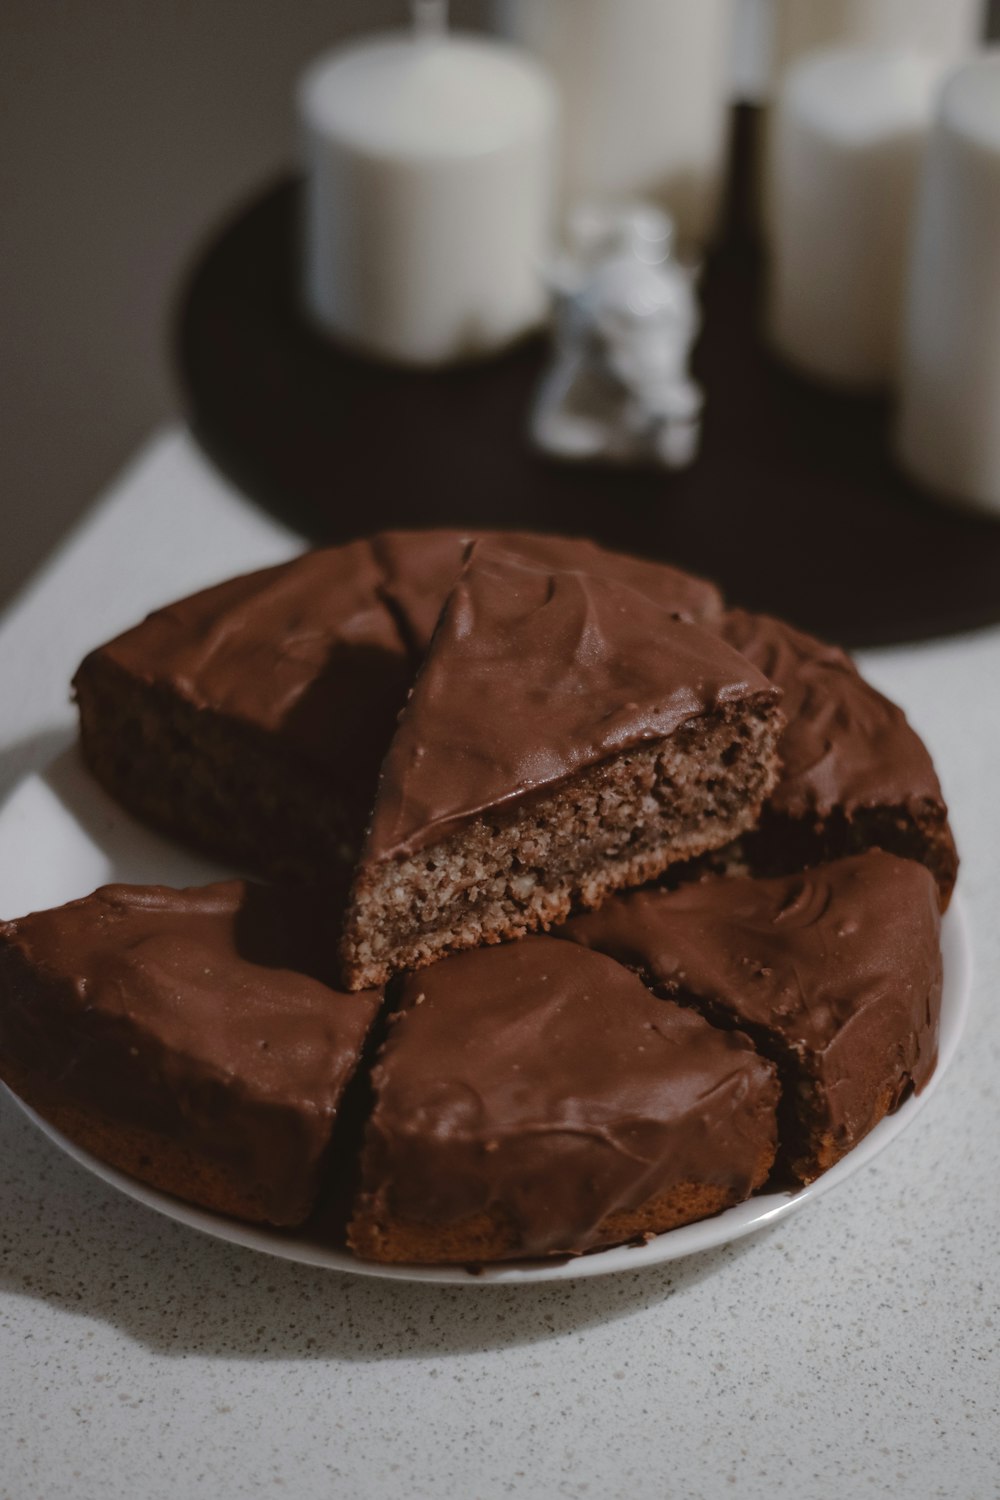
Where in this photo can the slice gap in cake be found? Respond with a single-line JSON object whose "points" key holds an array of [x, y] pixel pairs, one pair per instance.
{"points": [[835, 974], [855, 775], [534, 1099], [566, 737]]}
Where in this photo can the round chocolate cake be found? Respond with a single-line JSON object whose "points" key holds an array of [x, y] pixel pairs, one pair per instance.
{"points": [[592, 906]]}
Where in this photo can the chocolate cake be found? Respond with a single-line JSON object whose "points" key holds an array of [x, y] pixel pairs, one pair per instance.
{"points": [[251, 718], [535, 1099], [190, 1038], [564, 738], [835, 974], [854, 774], [554, 723]]}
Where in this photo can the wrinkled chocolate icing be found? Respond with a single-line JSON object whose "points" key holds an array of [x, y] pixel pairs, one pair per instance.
{"points": [[546, 1083], [307, 650], [532, 675], [841, 966], [211, 1015], [844, 745], [421, 568], [322, 649]]}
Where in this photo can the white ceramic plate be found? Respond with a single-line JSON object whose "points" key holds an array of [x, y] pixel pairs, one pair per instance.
{"points": [[60, 837]]}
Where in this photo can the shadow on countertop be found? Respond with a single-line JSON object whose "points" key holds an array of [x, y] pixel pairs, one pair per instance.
{"points": [[69, 1240]]}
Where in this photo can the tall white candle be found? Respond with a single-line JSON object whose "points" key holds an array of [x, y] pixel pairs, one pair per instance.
{"points": [[948, 28], [845, 143], [644, 88], [948, 432], [429, 164]]}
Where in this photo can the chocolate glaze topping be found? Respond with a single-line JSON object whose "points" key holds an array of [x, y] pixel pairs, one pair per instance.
{"points": [[532, 675], [844, 745], [307, 649], [207, 1014], [841, 965], [546, 1083], [323, 648], [421, 568]]}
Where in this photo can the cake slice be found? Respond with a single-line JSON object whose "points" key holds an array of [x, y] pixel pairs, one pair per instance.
{"points": [[835, 974], [854, 774], [190, 1038], [565, 737], [535, 1099], [251, 719]]}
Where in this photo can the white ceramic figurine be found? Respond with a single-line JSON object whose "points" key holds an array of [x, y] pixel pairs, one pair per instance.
{"points": [[626, 317]]}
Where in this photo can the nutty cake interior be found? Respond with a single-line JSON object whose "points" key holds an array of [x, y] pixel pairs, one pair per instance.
{"points": [[546, 757]]}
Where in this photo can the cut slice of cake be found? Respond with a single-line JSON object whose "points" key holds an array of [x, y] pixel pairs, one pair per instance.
{"points": [[190, 1038], [854, 774], [535, 1099], [565, 737], [835, 974], [251, 718]]}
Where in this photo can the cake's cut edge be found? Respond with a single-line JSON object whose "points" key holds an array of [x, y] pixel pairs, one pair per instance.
{"points": [[527, 867], [835, 975], [250, 719], [783, 844], [564, 737], [855, 774]]}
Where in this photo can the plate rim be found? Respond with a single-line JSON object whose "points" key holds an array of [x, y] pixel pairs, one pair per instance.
{"points": [[705, 1234]]}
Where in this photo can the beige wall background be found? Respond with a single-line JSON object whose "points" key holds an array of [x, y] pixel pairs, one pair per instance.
{"points": [[130, 128]]}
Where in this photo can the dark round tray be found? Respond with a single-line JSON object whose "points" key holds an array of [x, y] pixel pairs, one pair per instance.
{"points": [[794, 505]]}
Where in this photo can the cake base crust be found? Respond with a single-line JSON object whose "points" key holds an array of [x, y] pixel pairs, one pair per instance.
{"points": [[492, 1236], [150, 1156]]}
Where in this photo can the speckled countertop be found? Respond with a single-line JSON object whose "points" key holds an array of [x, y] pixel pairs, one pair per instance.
{"points": [[853, 1351]]}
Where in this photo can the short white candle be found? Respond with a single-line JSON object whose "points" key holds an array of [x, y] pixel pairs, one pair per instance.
{"points": [[429, 162], [847, 132], [947, 28], [644, 88], [949, 418]]}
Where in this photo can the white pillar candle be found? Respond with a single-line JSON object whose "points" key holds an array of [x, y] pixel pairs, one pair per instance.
{"points": [[429, 162], [948, 28], [948, 432], [847, 132], [644, 89]]}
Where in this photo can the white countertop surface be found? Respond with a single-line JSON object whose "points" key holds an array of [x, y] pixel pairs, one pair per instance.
{"points": [[852, 1351]]}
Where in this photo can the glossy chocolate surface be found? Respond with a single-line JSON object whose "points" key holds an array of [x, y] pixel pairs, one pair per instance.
{"points": [[840, 967], [844, 745], [534, 674], [209, 1014], [421, 568], [306, 650], [322, 650], [545, 1083]]}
